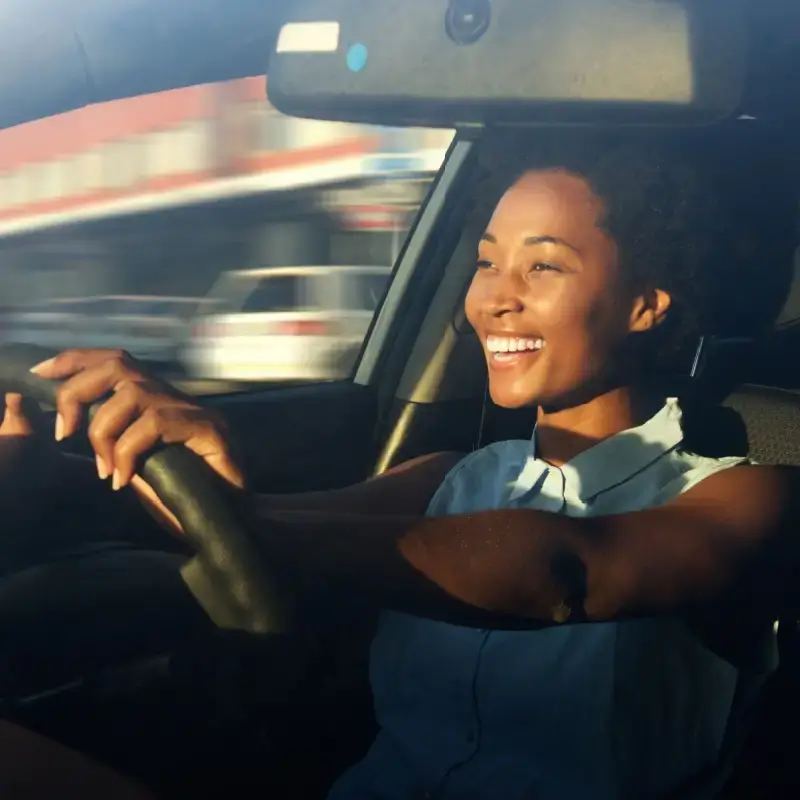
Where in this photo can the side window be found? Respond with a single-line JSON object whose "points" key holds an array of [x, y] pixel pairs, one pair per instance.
{"points": [[189, 177]]}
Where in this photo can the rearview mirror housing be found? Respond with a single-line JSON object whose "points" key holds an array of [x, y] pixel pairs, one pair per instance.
{"points": [[446, 62]]}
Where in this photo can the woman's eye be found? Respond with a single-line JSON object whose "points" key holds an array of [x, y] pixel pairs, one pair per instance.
{"points": [[483, 264], [541, 266]]}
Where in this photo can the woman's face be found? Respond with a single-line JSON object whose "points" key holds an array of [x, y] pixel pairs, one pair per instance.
{"points": [[547, 301]]}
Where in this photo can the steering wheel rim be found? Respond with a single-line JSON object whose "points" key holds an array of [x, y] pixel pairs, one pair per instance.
{"points": [[229, 576]]}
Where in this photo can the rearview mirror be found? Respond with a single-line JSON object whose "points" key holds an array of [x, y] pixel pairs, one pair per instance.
{"points": [[444, 62]]}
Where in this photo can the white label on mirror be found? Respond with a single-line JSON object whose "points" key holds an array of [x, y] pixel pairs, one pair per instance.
{"points": [[309, 37]]}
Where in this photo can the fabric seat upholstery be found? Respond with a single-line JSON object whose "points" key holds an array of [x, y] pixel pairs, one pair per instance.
{"points": [[771, 419]]}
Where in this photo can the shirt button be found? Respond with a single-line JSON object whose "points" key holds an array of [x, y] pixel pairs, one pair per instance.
{"points": [[421, 794], [471, 737]]}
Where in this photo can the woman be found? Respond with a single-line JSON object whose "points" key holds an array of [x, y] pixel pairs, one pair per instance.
{"points": [[590, 272]]}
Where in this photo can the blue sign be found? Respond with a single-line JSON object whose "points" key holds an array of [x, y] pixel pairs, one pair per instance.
{"points": [[389, 162]]}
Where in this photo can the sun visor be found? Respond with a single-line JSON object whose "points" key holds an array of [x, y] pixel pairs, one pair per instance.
{"points": [[446, 62]]}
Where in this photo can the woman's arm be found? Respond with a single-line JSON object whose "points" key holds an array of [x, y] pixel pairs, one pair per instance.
{"points": [[727, 546], [728, 543], [145, 412], [406, 489]]}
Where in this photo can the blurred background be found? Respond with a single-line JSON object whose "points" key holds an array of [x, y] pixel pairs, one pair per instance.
{"points": [[203, 231]]}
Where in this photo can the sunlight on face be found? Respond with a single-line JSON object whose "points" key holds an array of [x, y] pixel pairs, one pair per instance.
{"points": [[546, 300]]}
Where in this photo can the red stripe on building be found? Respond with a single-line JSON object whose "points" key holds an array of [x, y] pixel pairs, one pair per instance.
{"points": [[85, 128]]}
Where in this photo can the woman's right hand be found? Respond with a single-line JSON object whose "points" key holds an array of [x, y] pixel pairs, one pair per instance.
{"points": [[141, 412]]}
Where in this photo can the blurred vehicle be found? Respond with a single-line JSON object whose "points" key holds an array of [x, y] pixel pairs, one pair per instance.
{"points": [[285, 323], [54, 324], [149, 327]]}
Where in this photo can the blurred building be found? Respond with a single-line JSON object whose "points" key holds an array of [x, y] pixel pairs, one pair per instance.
{"points": [[158, 194]]}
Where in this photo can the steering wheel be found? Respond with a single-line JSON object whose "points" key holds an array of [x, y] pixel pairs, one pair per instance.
{"points": [[229, 576]]}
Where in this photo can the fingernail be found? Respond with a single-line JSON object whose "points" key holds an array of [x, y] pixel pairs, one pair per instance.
{"points": [[59, 427], [102, 469], [43, 366], [115, 480]]}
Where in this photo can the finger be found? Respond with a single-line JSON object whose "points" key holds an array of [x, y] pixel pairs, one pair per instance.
{"points": [[109, 422], [15, 423], [84, 389], [170, 425], [70, 362], [138, 438]]}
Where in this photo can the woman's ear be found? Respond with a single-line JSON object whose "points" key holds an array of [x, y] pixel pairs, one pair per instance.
{"points": [[649, 310]]}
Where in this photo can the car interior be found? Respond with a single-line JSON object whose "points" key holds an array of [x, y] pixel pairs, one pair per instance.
{"points": [[192, 709]]}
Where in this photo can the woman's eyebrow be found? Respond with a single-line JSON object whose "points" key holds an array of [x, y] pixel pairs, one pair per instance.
{"points": [[533, 240]]}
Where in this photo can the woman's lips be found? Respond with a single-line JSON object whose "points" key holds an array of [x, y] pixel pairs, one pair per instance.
{"points": [[510, 360]]}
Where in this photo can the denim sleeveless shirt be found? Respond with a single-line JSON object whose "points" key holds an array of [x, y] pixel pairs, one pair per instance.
{"points": [[636, 709]]}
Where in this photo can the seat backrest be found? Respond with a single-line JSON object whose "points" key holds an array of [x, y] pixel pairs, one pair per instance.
{"points": [[771, 419], [770, 416]]}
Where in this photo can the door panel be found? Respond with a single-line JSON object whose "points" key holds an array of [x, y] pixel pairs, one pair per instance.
{"points": [[304, 438], [295, 439]]}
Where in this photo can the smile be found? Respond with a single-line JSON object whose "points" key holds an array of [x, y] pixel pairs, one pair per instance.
{"points": [[512, 350]]}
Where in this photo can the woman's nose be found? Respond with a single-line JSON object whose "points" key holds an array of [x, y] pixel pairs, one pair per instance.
{"points": [[503, 300]]}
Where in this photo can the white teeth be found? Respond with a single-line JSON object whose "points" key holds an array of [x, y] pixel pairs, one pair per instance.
{"points": [[512, 344]]}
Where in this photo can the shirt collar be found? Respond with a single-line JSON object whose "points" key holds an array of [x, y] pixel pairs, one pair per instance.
{"points": [[617, 459]]}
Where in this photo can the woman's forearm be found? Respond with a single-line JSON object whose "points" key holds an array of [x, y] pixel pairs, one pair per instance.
{"points": [[483, 570], [525, 568]]}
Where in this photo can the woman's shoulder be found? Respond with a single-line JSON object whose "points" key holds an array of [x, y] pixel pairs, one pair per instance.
{"points": [[740, 493]]}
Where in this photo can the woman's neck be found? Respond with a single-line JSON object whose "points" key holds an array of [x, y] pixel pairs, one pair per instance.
{"points": [[564, 434]]}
